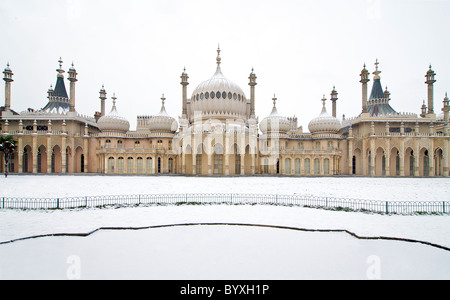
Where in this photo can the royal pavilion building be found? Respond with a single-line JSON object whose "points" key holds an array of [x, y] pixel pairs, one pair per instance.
{"points": [[218, 134]]}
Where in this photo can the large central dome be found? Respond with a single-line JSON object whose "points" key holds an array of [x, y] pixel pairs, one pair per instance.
{"points": [[219, 97]]}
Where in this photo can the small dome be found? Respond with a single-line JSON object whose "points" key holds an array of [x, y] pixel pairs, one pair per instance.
{"points": [[275, 122], [324, 123], [113, 122], [162, 122]]}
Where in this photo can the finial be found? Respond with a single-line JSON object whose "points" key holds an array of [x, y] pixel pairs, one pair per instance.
{"points": [[274, 99], [218, 56], [60, 70], [114, 98], [377, 71]]}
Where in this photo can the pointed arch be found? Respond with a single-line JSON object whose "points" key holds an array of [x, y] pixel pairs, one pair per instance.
{"points": [[42, 159], [380, 162], [394, 162], [409, 160], [56, 163], [424, 162], [439, 162]]}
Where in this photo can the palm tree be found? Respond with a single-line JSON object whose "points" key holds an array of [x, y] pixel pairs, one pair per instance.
{"points": [[7, 147]]}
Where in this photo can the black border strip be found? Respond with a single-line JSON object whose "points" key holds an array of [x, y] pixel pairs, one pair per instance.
{"points": [[228, 224]]}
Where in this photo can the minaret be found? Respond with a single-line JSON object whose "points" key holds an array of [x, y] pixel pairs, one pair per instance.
{"points": [[430, 81], [364, 80], [423, 110], [72, 78], [446, 108], [50, 92], [252, 85], [387, 95], [334, 98], [102, 100], [8, 79], [184, 83]]}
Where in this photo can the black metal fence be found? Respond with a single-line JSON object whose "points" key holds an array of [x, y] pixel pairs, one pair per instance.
{"points": [[384, 207]]}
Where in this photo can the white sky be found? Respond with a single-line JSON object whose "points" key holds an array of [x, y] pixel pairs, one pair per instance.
{"points": [[299, 50]]}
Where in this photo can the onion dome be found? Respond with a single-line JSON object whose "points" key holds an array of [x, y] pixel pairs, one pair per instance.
{"points": [[113, 122], [162, 122], [219, 97], [274, 122], [324, 123]]}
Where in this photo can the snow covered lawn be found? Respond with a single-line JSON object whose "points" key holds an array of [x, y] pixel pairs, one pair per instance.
{"points": [[223, 252]]}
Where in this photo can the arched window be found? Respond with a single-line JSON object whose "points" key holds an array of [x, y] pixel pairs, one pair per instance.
{"points": [[140, 165], [159, 144], [137, 144], [326, 166], [120, 165], [111, 165], [170, 165], [297, 166], [307, 166], [316, 166], [120, 144], [108, 144], [288, 166], [130, 165]]}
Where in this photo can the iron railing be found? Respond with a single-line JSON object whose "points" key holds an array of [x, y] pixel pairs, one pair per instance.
{"points": [[384, 207]]}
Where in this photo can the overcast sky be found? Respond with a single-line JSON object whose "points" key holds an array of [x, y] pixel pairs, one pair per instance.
{"points": [[299, 50]]}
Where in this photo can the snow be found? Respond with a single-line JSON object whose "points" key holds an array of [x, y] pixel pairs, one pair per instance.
{"points": [[223, 252], [385, 189]]}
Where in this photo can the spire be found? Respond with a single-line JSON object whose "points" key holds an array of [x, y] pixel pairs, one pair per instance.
{"points": [[219, 61], [60, 70], [114, 98], [163, 99], [163, 107], [324, 108], [274, 110], [377, 72]]}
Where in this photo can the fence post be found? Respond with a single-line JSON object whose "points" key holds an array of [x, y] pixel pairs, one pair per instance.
{"points": [[57, 203], [3, 205], [387, 207], [443, 207]]}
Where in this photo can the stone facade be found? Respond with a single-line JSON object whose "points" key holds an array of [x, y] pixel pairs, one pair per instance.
{"points": [[218, 134]]}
